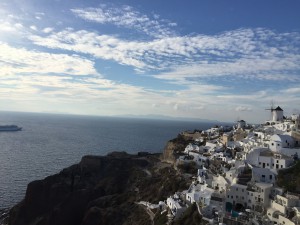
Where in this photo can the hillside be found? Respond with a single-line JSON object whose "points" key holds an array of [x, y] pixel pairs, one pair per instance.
{"points": [[99, 190]]}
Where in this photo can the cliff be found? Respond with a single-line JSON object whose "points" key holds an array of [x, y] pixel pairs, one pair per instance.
{"points": [[98, 190], [175, 146]]}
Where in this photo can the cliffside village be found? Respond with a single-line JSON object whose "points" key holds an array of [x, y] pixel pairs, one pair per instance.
{"points": [[237, 174]]}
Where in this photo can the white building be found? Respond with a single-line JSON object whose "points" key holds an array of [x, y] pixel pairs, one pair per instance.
{"points": [[176, 205], [280, 208], [263, 175], [199, 193], [191, 147], [265, 158], [284, 144], [277, 142], [219, 183], [271, 160], [249, 196], [199, 159]]}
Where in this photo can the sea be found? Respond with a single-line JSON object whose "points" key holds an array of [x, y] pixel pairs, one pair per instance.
{"points": [[50, 142]]}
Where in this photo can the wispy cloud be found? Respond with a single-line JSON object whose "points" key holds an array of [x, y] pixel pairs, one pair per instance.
{"points": [[294, 90], [199, 67], [33, 27], [251, 54], [243, 108], [128, 17], [48, 30], [20, 60]]}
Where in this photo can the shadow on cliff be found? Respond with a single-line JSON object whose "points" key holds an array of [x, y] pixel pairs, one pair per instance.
{"points": [[98, 190]]}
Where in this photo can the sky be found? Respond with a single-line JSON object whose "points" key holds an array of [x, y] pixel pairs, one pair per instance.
{"points": [[201, 59]]}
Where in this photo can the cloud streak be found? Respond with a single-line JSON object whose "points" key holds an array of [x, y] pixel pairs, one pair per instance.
{"points": [[20, 60], [126, 16], [251, 54], [198, 75]]}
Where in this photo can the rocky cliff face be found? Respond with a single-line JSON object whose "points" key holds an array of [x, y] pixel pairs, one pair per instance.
{"points": [[175, 147], [98, 190]]}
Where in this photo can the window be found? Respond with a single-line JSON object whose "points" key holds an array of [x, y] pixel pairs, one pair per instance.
{"points": [[271, 177], [259, 163], [267, 164], [242, 190], [236, 196], [227, 196], [272, 143], [278, 144], [237, 189], [281, 166]]}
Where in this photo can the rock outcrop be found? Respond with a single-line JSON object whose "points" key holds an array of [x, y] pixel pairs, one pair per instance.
{"points": [[98, 190], [175, 147]]}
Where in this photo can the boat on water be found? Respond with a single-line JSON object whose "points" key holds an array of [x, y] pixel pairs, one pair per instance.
{"points": [[10, 128]]}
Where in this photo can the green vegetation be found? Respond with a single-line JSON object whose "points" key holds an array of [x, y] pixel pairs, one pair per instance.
{"points": [[190, 168], [289, 179], [160, 219]]}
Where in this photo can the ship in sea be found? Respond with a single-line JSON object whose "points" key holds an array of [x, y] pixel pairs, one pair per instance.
{"points": [[10, 128]]}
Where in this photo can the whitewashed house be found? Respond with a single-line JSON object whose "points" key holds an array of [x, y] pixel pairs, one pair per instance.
{"points": [[263, 175], [249, 196], [191, 147], [281, 206], [176, 205], [271, 160], [219, 183], [199, 193], [199, 159]]}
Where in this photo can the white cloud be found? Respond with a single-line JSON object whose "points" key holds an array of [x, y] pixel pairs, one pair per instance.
{"points": [[48, 30], [8, 27], [33, 27], [244, 53], [295, 90], [126, 16], [20, 61]]}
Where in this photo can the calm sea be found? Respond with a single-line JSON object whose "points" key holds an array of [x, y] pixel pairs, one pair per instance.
{"points": [[48, 143]]}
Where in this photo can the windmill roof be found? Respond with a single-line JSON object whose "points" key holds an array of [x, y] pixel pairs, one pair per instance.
{"points": [[278, 109]]}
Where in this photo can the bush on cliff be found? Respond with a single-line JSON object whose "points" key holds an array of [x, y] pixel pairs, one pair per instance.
{"points": [[289, 178]]}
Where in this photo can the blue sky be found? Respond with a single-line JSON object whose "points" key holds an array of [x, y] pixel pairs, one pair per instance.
{"points": [[208, 59]]}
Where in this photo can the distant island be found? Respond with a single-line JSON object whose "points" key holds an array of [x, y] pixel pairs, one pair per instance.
{"points": [[241, 174]]}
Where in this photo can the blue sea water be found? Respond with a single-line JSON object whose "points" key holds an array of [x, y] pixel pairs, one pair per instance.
{"points": [[48, 143]]}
